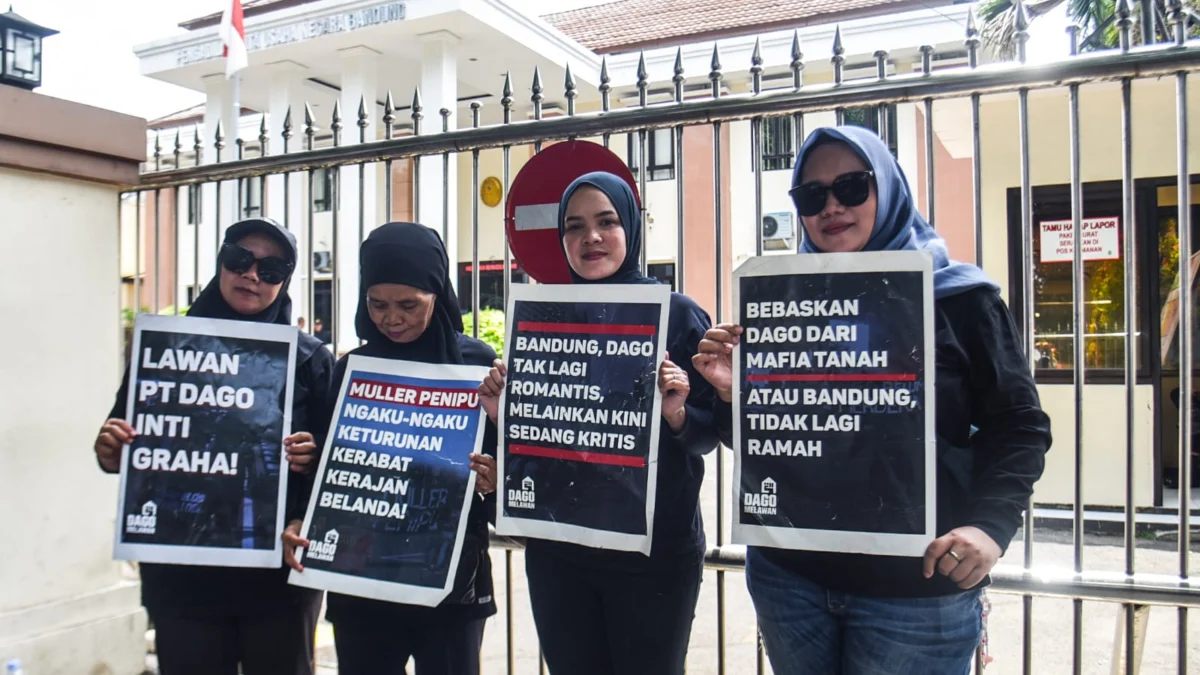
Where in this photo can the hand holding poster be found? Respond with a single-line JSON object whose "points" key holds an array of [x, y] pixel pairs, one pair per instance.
{"points": [[835, 439], [211, 401], [579, 416], [393, 492]]}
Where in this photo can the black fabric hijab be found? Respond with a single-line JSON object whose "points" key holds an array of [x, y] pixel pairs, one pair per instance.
{"points": [[412, 255], [621, 196], [211, 304]]}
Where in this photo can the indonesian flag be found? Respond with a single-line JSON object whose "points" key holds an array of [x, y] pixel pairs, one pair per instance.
{"points": [[233, 36]]}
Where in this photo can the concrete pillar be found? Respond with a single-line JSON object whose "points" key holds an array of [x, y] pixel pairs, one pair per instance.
{"points": [[360, 66], [287, 93], [219, 105], [65, 605], [439, 89]]}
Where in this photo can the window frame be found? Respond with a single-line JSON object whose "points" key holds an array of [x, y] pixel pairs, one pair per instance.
{"points": [[323, 177], [658, 170], [780, 155]]}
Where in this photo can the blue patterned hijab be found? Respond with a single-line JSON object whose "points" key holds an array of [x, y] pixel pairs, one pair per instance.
{"points": [[898, 224]]}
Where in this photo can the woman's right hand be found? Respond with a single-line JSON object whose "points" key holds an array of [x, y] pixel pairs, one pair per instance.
{"points": [[714, 358], [291, 541], [114, 435], [491, 388]]}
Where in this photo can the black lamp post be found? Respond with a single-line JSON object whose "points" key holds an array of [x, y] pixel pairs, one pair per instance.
{"points": [[21, 50]]}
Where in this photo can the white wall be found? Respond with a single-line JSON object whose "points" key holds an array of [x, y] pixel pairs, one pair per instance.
{"points": [[491, 218], [64, 606], [1154, 155]]}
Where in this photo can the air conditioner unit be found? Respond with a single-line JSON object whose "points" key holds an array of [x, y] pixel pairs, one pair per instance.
{"points": [[778, 231], [778, 226]]}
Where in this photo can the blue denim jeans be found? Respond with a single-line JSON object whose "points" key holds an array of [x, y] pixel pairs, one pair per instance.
{"points": [[808, 630]]}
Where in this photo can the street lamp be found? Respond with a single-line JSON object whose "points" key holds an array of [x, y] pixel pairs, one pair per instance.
{"points": [[21, 50]]}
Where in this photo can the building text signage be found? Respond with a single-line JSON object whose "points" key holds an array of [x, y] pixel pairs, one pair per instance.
{"points": [[300, 31]]}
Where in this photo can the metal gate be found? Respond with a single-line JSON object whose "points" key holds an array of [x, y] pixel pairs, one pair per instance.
{"points": [[179, 168]]}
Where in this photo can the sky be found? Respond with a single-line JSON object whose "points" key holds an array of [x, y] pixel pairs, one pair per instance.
{"points": [[91, 60]]}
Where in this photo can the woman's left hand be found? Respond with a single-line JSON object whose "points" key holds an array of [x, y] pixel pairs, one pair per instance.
{"points": [[674, 385], [485, 467], [301, 449], [965, 554]]}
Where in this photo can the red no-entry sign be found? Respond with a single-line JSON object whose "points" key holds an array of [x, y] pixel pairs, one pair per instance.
{"points": [[531, 212]]}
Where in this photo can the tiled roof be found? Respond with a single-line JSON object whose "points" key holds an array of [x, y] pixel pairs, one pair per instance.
{"points": [[626, 24]]}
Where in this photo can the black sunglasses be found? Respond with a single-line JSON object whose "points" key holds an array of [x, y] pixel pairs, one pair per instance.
{"points": [[271, 269], [851, 189]]}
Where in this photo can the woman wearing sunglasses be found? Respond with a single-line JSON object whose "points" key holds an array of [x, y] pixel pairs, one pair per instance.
{"points": [[833, 613], [603, 612], [208, 620], [408, 311]]}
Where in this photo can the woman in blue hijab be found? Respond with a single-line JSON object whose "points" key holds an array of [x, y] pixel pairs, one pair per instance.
{"points": [[838, 613], [604, 612]]}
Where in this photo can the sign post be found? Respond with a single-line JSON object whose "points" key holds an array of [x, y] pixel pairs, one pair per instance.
{"points": [[531, 213]]}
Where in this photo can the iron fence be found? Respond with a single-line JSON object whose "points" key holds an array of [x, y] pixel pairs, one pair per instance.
{"points": [[1121, 66]]}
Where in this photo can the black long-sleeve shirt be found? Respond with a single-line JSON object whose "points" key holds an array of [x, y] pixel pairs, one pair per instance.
{"points": [[472, 596], [678, 527], [984, 479], [200, 590]]}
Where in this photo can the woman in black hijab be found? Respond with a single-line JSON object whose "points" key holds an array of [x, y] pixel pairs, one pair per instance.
{"points": [[208, 620], [607, 612], [407, 310]]}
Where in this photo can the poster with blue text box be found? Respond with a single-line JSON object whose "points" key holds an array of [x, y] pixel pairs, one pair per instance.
{"points": [[833, 416], [202, 483], [393, 491], [580, 414]]}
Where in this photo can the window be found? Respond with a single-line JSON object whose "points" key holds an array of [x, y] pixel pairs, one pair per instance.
{"points": [[777, 152], [193, 204], [661, 149], [322, 189], [252, 196], [491, 284], [664, 272], [1053, 271], [868, 117]]}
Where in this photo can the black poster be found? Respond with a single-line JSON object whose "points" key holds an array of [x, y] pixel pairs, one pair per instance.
{"points": [[834, 437], [202, 481], [579, 418]]}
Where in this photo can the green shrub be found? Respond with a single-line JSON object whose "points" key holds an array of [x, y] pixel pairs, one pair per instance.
{"points": [[491, 328]]}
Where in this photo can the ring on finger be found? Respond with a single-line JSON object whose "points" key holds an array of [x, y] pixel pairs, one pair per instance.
{"points": [[954, 555]]}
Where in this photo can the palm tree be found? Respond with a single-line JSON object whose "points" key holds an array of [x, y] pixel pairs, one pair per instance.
{"points": [[1096, 19]]}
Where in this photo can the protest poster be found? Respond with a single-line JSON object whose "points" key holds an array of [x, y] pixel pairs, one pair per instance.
{"points": [[202, 483], [833, 428], [393, 490], [579, 417]]}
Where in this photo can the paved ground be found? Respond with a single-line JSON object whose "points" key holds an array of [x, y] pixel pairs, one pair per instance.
{"points": [[1052, 618]]}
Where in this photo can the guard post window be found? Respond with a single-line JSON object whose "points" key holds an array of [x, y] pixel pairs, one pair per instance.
{"points": [[661, 150], [1104, 299]]}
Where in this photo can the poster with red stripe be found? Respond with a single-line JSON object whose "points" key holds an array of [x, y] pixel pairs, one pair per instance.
{"points": [[579, 416], [389, 510], [833, 429]]}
